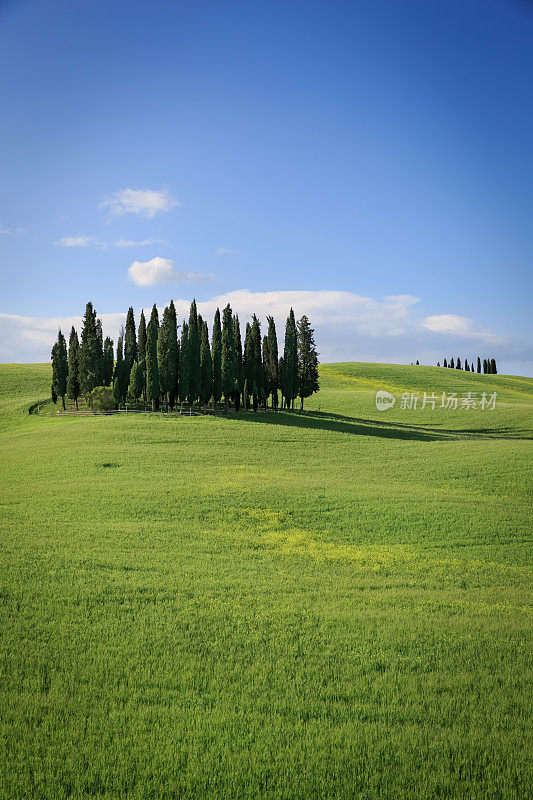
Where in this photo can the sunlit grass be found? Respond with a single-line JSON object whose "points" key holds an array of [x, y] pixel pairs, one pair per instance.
{"points": [[333, 604]]}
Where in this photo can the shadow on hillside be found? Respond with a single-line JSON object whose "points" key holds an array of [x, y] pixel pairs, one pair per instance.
{"points": [[357, 426], [336, 423]]}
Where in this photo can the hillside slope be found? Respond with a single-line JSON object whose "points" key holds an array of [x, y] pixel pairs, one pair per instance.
{"points": [[274, 605]]}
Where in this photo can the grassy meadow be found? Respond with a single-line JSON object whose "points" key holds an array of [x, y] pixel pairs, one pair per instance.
{"points": [[334, 604]]}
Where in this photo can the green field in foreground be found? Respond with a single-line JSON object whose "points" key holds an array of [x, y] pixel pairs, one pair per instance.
{"points": [[335, 604]]}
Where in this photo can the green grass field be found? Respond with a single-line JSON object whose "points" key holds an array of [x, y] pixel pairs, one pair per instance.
{"points": [[335, 604]]}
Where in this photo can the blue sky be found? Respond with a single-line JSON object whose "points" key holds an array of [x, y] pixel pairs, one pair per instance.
{"points": [[368, 162]]}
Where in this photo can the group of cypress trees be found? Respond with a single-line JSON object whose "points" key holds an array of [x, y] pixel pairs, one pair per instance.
{"points": [[164, 368], [489, 365]]}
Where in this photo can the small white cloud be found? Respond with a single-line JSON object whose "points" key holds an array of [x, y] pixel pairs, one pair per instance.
{"points": [[80, 241], [162, 270], [143, 202], [460, 326], [7, 231], [132, 243], [223, 252]]}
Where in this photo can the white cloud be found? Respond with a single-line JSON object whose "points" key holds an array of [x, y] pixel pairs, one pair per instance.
{"points": [[7, 231], [349, 327], [459, 326], [80, 241], [143, 202], [132, 243], [31, 338], [222, 251], [162, 270]]}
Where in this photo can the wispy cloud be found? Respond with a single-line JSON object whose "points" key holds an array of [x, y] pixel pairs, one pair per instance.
{"points": [[143, 202], [456, 325], [143, 243], [162, 270], [222, 251], [80, 241], [8, 231], [349, 327]]}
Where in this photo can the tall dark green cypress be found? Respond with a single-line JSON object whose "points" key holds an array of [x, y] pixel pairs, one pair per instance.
{"points": [[109, 362], [228, 356], [194, 357], [479, 365], [458, 363], [248, 365], [130, 342], [445, 363], [452, 365], [493, 370], [307, 360], [166, 353], [100, 339], [141, 350], [256, 362], [206, 368], [152, 368], [73, 380], [217, 359], [272, 362], [89, 352], [120, 385], [290, 359], [174, 352], [184, 365], [60, 367], [239, 366]]}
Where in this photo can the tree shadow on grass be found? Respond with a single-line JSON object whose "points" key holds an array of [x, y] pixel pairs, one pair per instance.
{"points": [[357, 426], [336, 423]]}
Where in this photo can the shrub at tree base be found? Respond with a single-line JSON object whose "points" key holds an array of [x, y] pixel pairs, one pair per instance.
{"points": [[101, 398]]}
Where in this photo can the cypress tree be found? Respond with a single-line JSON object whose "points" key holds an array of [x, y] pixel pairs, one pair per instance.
{"points": [[73, 380], [141, 350], [479, 365], [120, 385], [206, 368], [60, 367], [272, 361], [493, 369], [451, 364], [438, 363], [281, 378], [136, 381], [239, 365], [167, 345], [109, 361], [307, 361], [174, 351], [267, 388], [184, 365], [445, 363], [152, 370], [248, 365], [458, 364], [100, 340], [130, 342], [194, 357], [290, 360], [257, 363], [467, 368], [217, 360], [228, 356], [484, 366], [89, 352]]}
